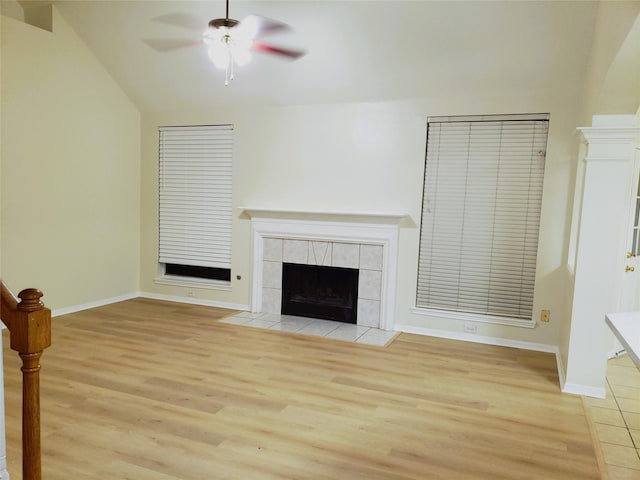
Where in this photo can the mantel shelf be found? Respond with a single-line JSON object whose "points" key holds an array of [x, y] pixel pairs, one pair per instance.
{"points": [[327, 216]]}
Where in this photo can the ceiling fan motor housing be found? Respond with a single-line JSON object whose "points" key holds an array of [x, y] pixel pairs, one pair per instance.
{"points": [[223, 23]]}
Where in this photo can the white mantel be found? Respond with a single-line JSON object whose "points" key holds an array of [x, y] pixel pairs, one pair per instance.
{"points": [[320, 215], [366, 230]]}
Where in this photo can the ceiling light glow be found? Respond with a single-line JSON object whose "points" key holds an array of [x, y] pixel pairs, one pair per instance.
{"points": [[226, 49]]}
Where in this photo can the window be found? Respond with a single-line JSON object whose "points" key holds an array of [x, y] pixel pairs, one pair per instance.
{"points": [[480, 214], [195, 201]]}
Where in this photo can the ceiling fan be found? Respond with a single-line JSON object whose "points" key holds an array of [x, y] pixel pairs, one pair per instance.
{"points": [[229, 42]]}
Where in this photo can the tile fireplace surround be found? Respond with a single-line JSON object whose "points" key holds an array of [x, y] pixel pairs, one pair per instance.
{"points": [[368, 242]]}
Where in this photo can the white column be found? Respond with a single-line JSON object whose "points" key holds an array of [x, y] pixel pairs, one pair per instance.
{"points": [[603, 217]]}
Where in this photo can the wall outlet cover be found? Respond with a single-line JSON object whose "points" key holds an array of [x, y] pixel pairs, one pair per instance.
{"points": [[470, 327]]}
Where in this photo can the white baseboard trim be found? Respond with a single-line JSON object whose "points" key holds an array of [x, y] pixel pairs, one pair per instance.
{"points": [[470, 337], [573, 388], [170, 298], [98, 303], [195, 301], [501, 342], [583, 390], [562, 376]]}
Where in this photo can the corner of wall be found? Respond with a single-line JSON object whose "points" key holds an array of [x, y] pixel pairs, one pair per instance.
{"points": [[40, 16]]}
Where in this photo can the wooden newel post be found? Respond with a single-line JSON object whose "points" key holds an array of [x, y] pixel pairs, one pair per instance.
{"points": [[29, 324], [35, 337], [31, 449]]}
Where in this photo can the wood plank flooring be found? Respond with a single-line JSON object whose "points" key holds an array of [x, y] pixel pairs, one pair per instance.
{"points": [[152, 390]]}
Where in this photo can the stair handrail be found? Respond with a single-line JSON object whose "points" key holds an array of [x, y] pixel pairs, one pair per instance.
{"points": [[29, 325]]}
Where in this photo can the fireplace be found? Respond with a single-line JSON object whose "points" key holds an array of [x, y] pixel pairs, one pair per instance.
{"points": [[319, 291], [366, 242]]}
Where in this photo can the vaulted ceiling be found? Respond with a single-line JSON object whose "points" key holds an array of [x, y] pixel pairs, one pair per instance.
{"points": [[358, 51]]}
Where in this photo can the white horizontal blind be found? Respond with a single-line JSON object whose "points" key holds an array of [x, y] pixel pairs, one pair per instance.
{"points": [[195, 195], [480, 216]]}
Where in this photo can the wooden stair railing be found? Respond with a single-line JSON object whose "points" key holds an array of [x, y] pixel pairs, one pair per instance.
{"points": [[29, 324]]}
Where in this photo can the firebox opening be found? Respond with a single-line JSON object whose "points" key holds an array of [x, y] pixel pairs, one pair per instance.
{"points": [[316, 291]]}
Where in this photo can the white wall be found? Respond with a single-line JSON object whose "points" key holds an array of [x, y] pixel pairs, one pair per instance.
{"points": [[613, 63], [70, 170], [353, 157], [365, 157]]}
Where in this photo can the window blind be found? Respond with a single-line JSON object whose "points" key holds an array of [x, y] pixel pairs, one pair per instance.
{"points": [[195, 195], [481, 215]]}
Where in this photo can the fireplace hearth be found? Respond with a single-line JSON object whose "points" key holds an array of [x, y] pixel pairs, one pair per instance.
{"points": [[317, 291]]}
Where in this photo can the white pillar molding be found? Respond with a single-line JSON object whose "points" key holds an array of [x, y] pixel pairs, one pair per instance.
{"points": [[602, 220]]}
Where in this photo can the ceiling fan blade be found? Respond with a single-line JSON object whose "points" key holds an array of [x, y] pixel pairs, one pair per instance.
{"points": [[182, 20], [285, 52], [168, 44], [256, 26]]}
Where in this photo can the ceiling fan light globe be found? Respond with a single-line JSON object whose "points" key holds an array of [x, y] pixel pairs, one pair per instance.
{"points": [[248, 28], [241, 56], [210, 36], [242, 43], [219, 55]]}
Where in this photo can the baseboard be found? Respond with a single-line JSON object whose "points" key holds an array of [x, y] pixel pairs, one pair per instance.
{"points": [[562, 376], [195, 301], [583, 390], [574, 388], [470, 337], [501, 342], [190, 300], [98, 303]]}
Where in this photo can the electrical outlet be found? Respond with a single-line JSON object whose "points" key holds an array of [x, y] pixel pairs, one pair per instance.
{"points": [[191, 292], [545, 315], [470, 327]]}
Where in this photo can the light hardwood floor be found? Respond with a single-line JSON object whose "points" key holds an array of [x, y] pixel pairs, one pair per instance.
{"points": [[153, 390]]}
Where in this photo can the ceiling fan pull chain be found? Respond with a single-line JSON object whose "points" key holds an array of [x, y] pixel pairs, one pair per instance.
{"points": [[229, 68]]}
